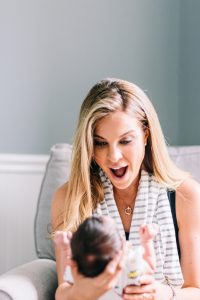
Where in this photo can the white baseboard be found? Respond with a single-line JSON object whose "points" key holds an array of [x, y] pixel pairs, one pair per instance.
{"points": [[14, 163], [20, 180]]}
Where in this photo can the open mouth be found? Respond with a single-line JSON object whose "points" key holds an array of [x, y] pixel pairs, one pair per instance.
{"points": [[120, 172]]}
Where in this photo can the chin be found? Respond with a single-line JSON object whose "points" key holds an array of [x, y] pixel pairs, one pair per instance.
{"points": [[122, 186]]}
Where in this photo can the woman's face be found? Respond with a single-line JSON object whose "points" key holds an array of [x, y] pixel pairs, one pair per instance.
{"points": [[119, 148]]}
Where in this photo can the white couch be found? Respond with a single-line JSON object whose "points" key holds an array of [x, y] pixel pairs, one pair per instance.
{"points": [[37, 280]]}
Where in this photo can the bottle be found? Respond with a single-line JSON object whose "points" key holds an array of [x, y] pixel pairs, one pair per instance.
{"points": [[133, 268]]}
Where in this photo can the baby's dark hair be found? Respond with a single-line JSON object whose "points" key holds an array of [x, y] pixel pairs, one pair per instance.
{"points": [[94, 245]]}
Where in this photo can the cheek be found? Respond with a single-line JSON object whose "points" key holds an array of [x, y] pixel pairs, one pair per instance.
{"points": [[137, 152], [99, 155]]}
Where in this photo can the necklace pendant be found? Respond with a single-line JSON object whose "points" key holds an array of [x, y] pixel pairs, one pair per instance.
{"points": [[128, 210]]}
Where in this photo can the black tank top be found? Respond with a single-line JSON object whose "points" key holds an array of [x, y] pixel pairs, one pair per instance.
{"points": [[172, 200]]}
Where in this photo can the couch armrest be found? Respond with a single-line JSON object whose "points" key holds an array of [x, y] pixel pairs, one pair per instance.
{"points": [[36, 280]]}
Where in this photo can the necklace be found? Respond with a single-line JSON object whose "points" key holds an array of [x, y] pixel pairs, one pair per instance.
{"points": [[128, 210], [125, 208]]}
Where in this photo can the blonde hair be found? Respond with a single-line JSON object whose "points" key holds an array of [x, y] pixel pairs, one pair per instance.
{"points": [[84, 189]]}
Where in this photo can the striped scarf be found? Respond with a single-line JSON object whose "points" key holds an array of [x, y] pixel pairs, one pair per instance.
{"points": [[151, 206]]}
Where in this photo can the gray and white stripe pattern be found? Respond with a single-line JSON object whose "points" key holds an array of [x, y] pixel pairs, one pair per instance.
{"points": [[151, 206]]}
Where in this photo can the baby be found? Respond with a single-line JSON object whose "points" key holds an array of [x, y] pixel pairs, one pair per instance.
{"points": [[95, 244], [97, 241]]}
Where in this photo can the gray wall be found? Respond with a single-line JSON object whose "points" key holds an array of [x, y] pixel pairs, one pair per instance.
{"points": [[53, 51], [189, 84]]}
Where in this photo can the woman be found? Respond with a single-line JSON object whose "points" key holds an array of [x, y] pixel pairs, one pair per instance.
{"points": [[121, 167]]}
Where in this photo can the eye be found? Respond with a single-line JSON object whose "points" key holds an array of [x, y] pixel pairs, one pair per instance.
{"points": [[125, 142], [99, 143]]}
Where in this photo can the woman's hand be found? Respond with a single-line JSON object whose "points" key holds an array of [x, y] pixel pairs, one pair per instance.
{"points": [[147, 287], [92, 288], [146, 290]]}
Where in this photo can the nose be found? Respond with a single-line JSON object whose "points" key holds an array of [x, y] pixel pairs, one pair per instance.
{"points": [[114, 154]]}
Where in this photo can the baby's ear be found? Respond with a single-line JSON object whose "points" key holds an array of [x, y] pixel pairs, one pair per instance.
{"points": [[72, 263]]}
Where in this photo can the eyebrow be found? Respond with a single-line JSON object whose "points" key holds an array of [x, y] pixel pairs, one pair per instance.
{"points": [[128, 132]]}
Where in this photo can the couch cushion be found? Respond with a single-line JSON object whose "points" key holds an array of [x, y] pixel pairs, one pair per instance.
{"points": [[187, 158], [35, 280], [56, 174]]}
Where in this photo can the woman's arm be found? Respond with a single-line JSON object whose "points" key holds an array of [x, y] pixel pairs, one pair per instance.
{"points": [[188, 218]]}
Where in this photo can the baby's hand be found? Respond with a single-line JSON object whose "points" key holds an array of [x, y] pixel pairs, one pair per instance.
{"points": [[61, 241], [147, 233], [62, 238]]}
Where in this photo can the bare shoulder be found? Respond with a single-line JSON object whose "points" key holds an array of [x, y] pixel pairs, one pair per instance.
{"points": [[188, 217], [188, 200], [57, 206], [188, 190]]}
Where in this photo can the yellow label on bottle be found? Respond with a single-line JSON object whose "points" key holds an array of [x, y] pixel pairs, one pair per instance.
{"points": [[133, 274]]}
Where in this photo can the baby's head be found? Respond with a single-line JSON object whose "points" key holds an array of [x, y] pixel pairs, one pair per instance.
{"points": [[94, 245]]}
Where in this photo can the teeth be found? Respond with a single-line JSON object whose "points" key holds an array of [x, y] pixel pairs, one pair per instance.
{"points": [[118, 168]]}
